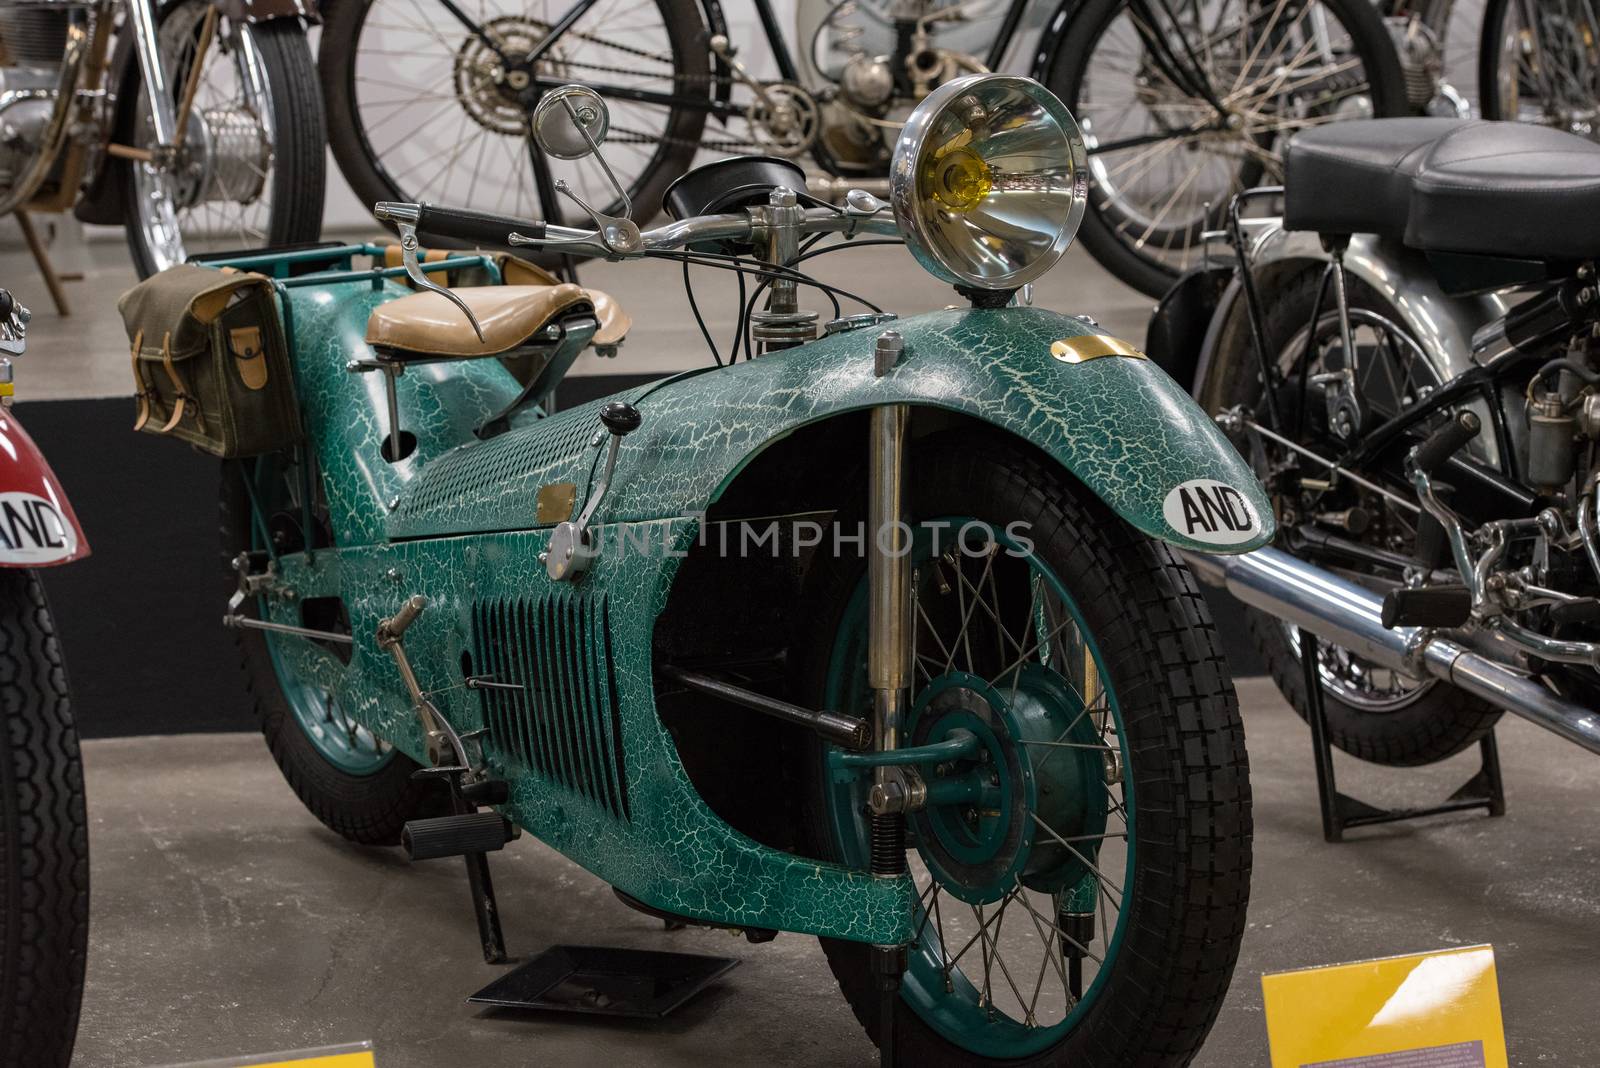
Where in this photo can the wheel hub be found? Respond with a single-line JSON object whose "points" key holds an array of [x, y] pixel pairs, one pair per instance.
{"points": [[493, 92], [1028, 804], [225, 158]]}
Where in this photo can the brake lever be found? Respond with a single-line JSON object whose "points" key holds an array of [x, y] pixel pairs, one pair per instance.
{"points": [[405, 218]]}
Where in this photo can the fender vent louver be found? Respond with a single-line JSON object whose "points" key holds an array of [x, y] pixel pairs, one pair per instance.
{"points": [[562, 723]]}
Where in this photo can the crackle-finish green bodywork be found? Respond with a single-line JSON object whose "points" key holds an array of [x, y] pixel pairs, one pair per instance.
{"points": [[455, 521]]}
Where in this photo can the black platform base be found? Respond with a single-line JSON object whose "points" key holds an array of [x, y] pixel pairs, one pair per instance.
{"points": [[604, 981], [1340, 812]]}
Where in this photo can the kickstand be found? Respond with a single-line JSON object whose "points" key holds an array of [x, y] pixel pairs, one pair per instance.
{"points": [[1485, 790], [484, 906]]}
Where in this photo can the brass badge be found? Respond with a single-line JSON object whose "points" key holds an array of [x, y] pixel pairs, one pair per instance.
{"points": [[554, 502], [1087, 347]]}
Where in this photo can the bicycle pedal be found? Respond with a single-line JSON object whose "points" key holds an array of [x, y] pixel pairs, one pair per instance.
{"points": [[1427, 606], [455, 836]]}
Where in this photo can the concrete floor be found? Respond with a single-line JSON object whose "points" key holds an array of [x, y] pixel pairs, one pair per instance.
{"points": [[227, 921]]}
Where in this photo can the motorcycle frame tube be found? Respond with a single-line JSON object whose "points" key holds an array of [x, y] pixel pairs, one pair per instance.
{"points": [[1341, 612]]}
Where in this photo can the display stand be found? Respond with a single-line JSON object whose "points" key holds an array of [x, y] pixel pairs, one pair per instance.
{"points": [[1484, 790], [605, 981]]}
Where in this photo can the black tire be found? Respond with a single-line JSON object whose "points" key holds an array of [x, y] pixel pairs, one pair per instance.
{"points": [[44, 836], [371, 179], [298, 175], [1441, 721], [367, 809], [1495, 13], [1075, 57], [1157, 645]]}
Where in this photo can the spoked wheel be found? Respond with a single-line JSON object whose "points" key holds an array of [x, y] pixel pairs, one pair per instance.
{"points": [[350, 779], [1373, 712], [251, 168], [423, 106], [1082, 871], [1540, 62], [1184, 105]]}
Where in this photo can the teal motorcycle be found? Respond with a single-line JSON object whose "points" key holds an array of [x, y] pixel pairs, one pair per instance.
{"points": [[877, 633]]}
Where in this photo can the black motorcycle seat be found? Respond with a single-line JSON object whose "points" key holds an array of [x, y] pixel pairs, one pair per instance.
{"points": [[1449, 185], [1355, 177]]}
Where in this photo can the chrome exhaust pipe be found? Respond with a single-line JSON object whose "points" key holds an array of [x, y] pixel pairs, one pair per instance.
{"points": [[1342, 613]]}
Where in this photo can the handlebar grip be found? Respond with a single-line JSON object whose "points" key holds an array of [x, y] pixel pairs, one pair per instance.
{"points": [[482, 228], [1447, 441]]}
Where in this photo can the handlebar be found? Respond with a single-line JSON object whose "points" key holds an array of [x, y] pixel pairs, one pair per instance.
{"points": [[435, 223], [501, 231]]}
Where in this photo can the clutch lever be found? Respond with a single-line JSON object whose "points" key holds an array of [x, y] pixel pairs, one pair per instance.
{"points": [[405, 218]]}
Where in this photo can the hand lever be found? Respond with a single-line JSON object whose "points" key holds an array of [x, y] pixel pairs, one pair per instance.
{"points": [[571, 552], [405, 218]]}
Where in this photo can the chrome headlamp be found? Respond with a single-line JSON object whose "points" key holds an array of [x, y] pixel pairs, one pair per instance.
{"points": [[990, 181]]}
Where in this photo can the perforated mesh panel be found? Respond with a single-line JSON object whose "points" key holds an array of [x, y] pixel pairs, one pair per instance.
{"points": [[494, 482]]}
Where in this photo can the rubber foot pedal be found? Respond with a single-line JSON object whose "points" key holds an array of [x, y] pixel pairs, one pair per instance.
{"points": [[455, 836], [1427, 606]]}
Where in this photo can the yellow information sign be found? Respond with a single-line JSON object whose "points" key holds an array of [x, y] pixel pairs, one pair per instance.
{"points": [[346, 1055], [363, 1059], [1429, 1010]]}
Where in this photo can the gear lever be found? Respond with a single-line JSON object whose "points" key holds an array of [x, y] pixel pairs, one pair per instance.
{"points": [[570, 552]]}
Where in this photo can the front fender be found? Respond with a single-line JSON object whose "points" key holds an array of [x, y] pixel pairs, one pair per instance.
{"points": [[38, 527], [1120, 425]]}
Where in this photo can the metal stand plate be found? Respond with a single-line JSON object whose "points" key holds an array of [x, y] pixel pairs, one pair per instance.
{"points": [[1485, 790], [604, 981]]}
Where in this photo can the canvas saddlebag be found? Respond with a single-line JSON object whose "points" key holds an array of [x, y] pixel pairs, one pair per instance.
{"points": [[210, 366]]}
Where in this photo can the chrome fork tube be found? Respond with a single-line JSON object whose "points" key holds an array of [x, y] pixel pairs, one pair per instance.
{"points": [[889, 669], [142, 18], [888, 581]]}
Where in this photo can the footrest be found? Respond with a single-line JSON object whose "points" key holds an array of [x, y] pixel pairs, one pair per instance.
{"points": [[1427, 606], [455, 836], [604, 981]]}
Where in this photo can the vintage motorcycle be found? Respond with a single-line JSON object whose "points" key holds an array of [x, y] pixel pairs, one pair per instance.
{"points": [[878, 636], [44, 832], [1426, 314], [194, 124]]}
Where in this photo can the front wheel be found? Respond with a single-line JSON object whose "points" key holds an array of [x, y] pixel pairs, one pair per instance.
{"points": [[1082, 875], [252, 167], [44, 836]]}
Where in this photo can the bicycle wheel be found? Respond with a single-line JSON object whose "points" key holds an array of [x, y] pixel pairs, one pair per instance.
{"points": [[1184, 105], [427, 104], [1540, 62]]}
